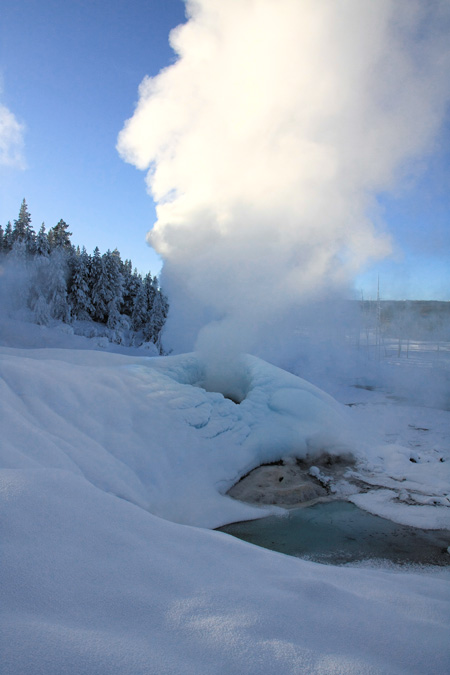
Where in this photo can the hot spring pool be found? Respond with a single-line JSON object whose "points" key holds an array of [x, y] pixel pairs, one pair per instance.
{"points": [[338, 532]]}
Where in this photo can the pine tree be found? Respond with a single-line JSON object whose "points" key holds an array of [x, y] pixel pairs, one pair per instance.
{"points": [[79, 295], [42, 245], [8, 238], [150, 286], [68, 283], [100, 294], [108, 289], [156, 311], [116, 276], [22, 223], [59, 236], [41, 311], [57, 286], [23, 230], [95, 269], [139, 315], [19, 252], [156, 320], [39, 288], [30, 241], [132, 281]]}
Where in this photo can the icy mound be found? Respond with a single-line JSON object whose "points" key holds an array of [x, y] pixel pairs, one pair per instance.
{"points": [[145, 430]]}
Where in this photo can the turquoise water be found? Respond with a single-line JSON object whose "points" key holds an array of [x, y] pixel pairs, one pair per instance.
{"points": [[338, 532]]}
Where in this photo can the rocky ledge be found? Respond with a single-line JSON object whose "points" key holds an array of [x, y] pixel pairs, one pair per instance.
{"points": [[293, 481]]}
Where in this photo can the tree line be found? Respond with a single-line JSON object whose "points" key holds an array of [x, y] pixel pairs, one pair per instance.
{"points": [[68, 284]]}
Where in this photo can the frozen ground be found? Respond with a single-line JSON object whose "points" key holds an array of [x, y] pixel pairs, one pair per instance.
{"points": [[114, 464]]}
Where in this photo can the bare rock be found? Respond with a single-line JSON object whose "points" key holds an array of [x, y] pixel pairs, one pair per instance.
{"points": [[284, 485]]}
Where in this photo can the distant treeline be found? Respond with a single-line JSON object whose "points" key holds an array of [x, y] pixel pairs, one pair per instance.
{"points": [[68, 284]]}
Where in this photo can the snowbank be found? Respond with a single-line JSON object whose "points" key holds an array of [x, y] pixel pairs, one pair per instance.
{"points": [[144, 430], [100, 451], [94, 584]]}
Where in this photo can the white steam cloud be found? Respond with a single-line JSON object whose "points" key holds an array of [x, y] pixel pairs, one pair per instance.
{"points": [[11, 140], [266, 143]]}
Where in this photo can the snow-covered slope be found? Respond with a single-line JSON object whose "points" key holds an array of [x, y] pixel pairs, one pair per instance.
{"points": [[108, 460], [144, 430], [94, 584]]}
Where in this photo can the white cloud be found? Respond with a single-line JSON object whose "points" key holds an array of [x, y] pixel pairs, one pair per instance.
{"points": [[11, 140], [266, 142]]}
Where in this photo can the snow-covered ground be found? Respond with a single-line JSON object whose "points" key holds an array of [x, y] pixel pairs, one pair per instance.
{"points": [[115, 465]]}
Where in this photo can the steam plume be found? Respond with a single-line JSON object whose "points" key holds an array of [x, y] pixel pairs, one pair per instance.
{"points": [[266, 143]]}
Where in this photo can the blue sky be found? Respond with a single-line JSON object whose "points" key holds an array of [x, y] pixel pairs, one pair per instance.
{"points": [[417, 214], [70, 71]]}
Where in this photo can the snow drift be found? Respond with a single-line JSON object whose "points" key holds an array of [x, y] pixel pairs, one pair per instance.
{"points": [[145, 430], [99, 451], [93, 584]]}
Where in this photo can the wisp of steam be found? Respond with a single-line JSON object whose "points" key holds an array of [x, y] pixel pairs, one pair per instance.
{"points": [[11, 139], [266, 143]]}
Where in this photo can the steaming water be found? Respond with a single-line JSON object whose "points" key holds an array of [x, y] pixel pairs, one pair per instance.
{"points": [[338, 532], [266, 142]]}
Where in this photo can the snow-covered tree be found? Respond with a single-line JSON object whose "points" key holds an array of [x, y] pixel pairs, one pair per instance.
{"points": [[57, 281], [114, 269], [139, 314], [156, 320], [132, 282], [8, 238], [23, 230], [19, 252], [151, 288], [42, 245], [59, 236], [41, 311], [57, 285], [107, 292], [79, 296], [22, 224]]}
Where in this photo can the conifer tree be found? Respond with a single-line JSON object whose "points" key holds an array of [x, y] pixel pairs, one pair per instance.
{"points": [[42, 245], [139, 315], [30, 241], [79, 296], [108, 289], [57, 288], [40, 282], [59, 281], [155, 323], [59, 236], [41, 311], [8, 238], [116, 276], [95, 269], [19, 252], [115, 287], [22, 225], [131, 284], [150, 286]]}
